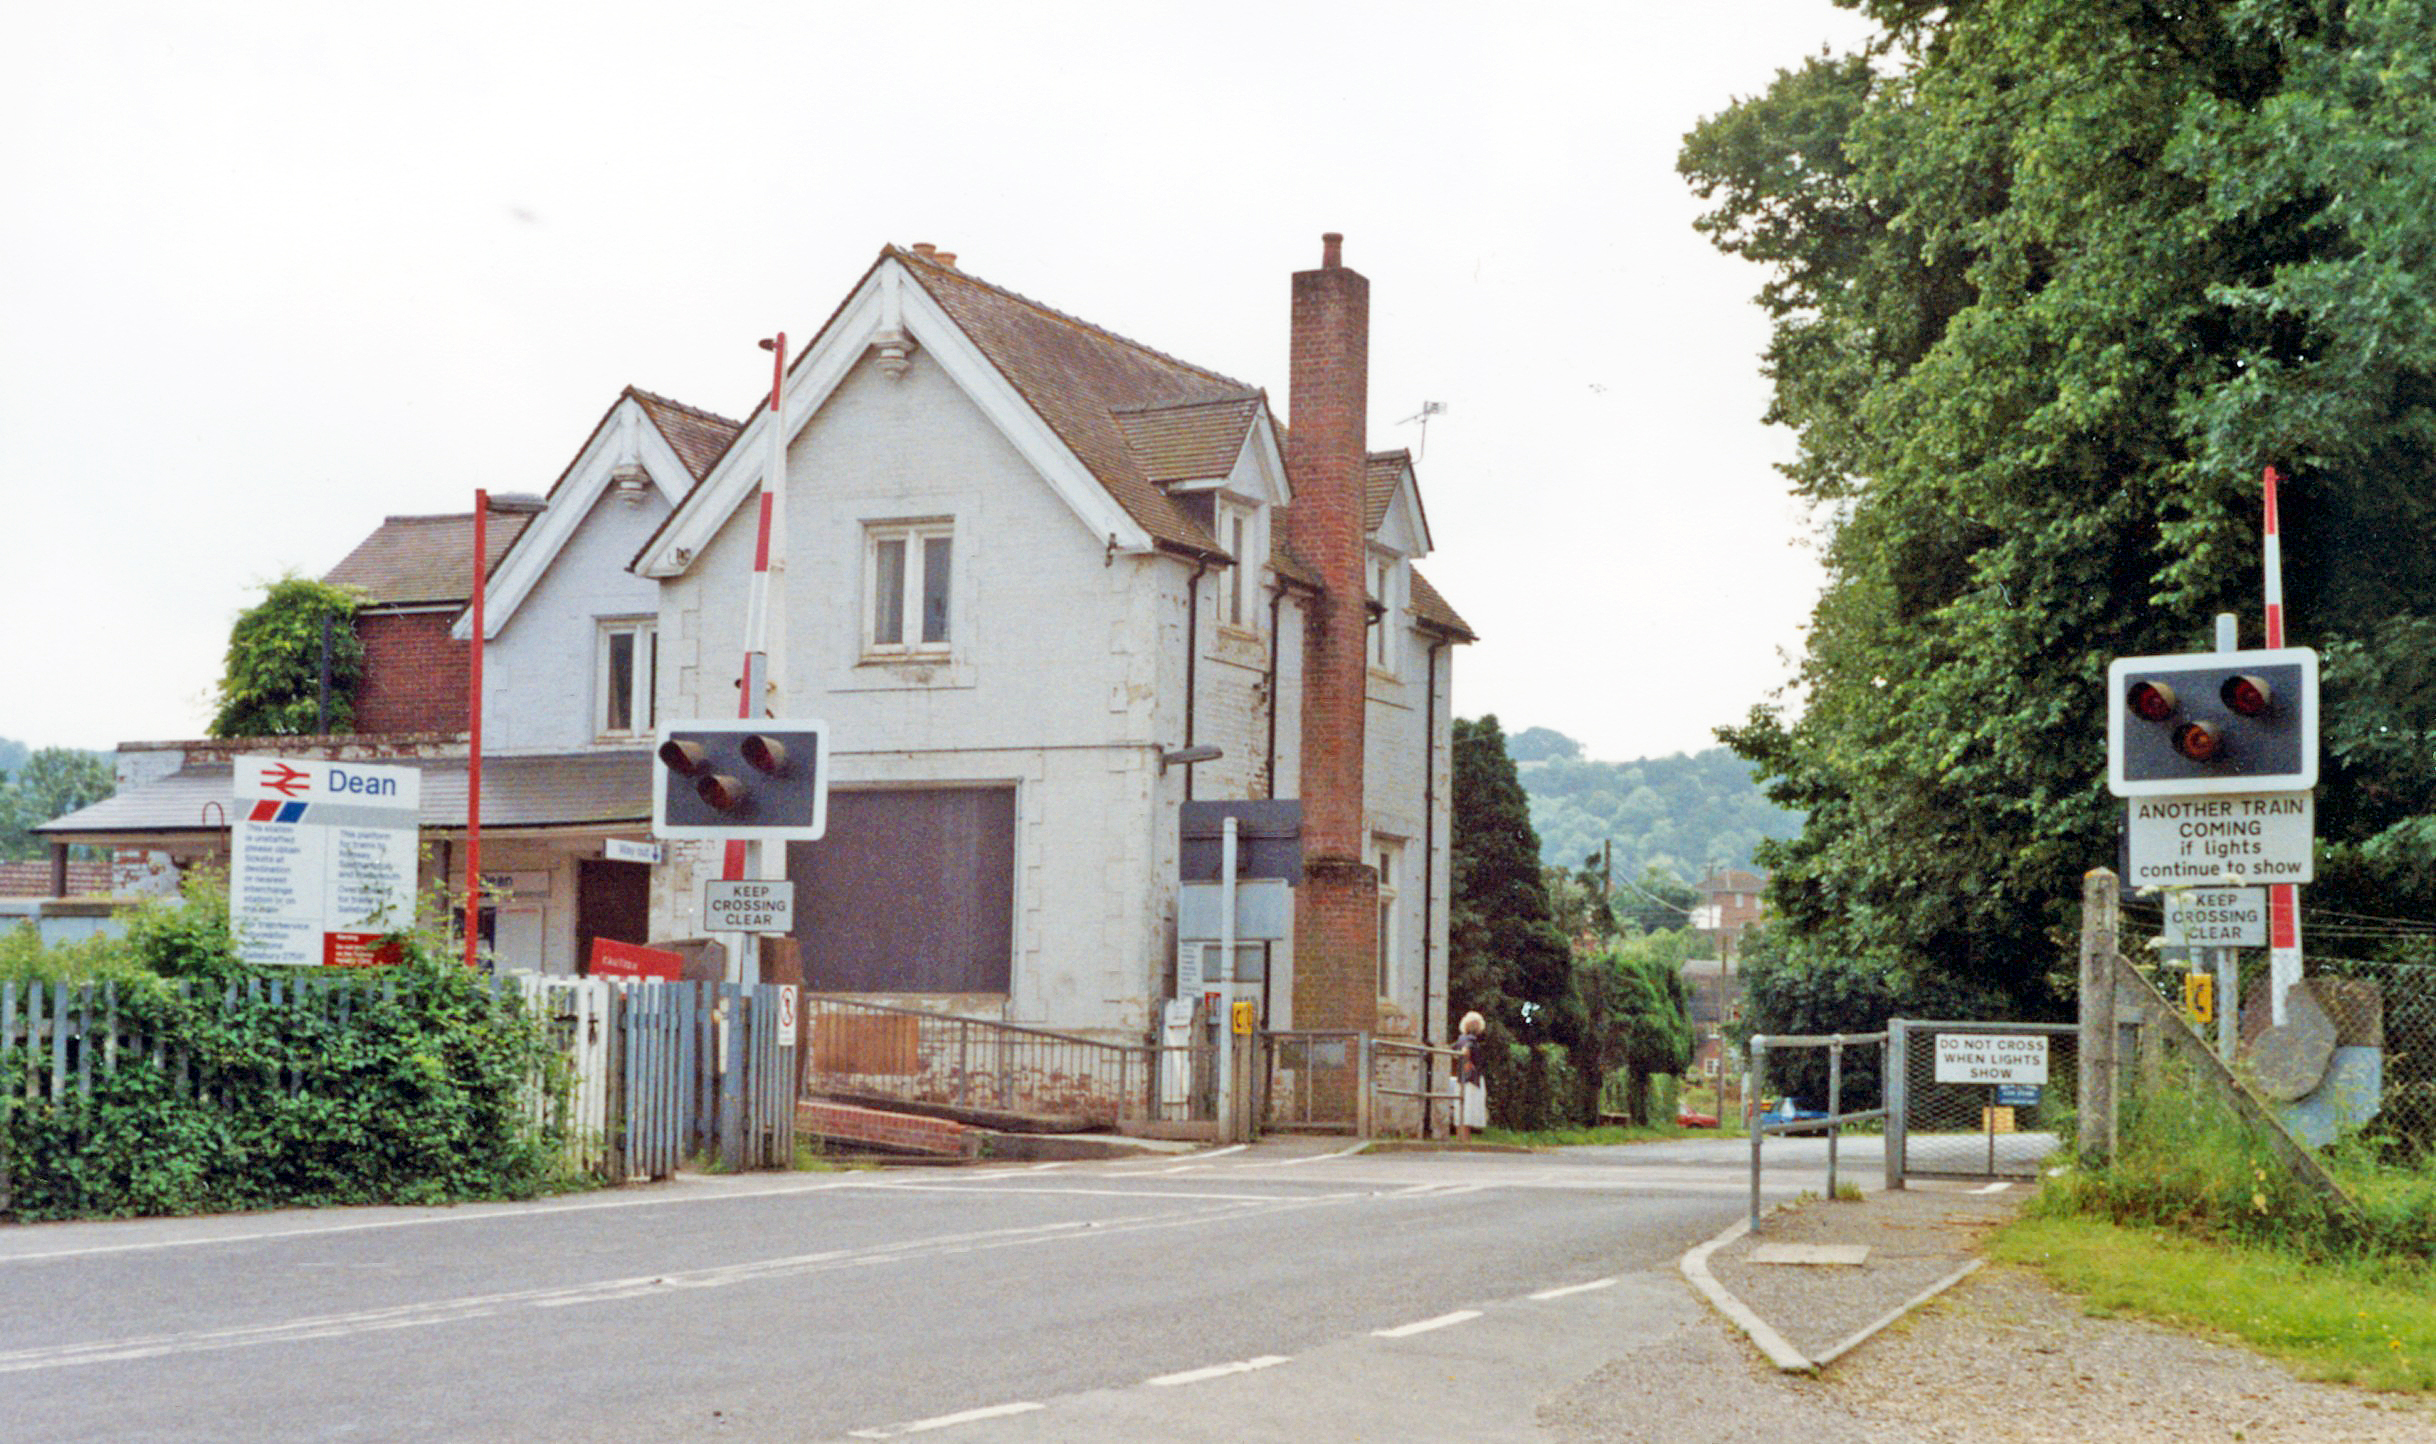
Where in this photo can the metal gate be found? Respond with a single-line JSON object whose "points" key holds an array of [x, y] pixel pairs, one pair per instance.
{"points": [[1941, 1123]]}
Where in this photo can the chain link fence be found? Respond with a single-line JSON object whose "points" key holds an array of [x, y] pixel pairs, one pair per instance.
{"points": [[1950, 1129]]}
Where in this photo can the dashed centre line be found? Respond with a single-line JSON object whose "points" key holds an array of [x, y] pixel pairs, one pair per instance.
{"points": [[1557, 1293], [1423, 1326], [1216, 1371], [949, 1421]]}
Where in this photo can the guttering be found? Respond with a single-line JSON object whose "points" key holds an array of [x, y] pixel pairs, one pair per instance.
{"points": [[1192, 659], [1277, 599]]}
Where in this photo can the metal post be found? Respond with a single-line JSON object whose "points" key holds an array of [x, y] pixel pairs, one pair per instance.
{"points": [[473, 728], [1755, 1082], [1895, 1091], [1835, 1105], [2097, 1060], [1227, 863], [2228, 1005], [1361, 1084]]}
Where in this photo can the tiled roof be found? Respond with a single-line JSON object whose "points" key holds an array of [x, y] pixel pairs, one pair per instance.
{"points": [[1379, 481], [412, 559], [558, 790], [1435, 614], [699, 437], [1076, 377], [33, 879], [1190, 440]]}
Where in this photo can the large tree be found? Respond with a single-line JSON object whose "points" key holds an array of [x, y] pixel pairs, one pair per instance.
{"points": [[1505, 957], [2051, 282]]}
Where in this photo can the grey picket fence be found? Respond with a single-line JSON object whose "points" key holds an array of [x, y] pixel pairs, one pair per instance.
{"points": [[663, 1072]]}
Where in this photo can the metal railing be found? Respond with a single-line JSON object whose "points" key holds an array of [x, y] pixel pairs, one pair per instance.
{"points": [[887, 1053], [1832, 1123], [1404, 1086], [1315, 1080]]}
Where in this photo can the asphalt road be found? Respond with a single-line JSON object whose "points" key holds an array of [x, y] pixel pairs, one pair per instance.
{"points": [[1280, 1291]]}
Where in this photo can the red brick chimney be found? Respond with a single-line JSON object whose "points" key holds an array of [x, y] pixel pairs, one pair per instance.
{"points": [[1336, 910]]}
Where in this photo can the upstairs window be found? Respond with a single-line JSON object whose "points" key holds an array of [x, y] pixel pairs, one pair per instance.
{"points": [[1234, 576], [910, 566], [627, 679], [1383, 631]]}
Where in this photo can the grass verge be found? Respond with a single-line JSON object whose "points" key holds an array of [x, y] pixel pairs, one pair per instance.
{"points": [[2352, 1321]]}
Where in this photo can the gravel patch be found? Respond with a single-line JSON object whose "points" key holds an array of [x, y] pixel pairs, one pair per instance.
{"points": [[1704, 1383], [2004, 1357]]}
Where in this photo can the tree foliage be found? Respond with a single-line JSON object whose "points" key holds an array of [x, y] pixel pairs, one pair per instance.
{"points": [[270, 685], [1682, 815], [2051, 282], [53, 782]]}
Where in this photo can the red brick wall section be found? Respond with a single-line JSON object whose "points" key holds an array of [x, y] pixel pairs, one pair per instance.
{"points": [[415, 675], [887, 1132], [1336, 909]]}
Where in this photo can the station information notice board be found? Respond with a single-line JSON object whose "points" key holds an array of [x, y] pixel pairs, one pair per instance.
{"points": [[325, 859]]}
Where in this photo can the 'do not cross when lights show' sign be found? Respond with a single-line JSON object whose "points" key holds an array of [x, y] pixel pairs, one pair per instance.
{"points": [[325, 859]]}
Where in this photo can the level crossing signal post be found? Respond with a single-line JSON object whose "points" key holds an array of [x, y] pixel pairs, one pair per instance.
{"points": [[2216, 755]]}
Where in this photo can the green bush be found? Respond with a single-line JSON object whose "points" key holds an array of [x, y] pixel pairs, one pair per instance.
{"points": [[418, 1083]]}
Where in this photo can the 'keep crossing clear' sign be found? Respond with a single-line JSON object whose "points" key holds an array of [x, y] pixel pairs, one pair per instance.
{"points": [[1991, 1058]]}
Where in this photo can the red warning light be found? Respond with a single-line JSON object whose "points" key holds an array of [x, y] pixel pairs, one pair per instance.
{"points": [[2247, 695], [2151, 701]]}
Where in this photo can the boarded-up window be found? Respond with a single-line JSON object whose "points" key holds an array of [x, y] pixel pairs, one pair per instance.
{"points": [[908, 892]]}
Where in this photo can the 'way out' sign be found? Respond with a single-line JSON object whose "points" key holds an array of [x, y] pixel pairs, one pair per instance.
{"points": [[1991, 1058], [325, 859]]}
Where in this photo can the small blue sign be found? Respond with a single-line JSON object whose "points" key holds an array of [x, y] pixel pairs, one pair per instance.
{"points": [[2017, 1095]]}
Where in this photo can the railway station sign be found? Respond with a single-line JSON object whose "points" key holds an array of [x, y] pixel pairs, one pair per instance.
{"points": [[325, 856]]}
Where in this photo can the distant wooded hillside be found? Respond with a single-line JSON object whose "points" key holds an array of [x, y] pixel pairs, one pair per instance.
{"points": [[1683, 813]]}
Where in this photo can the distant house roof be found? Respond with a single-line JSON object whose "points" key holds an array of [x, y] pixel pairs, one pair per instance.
{"points": [[572, 789], [411, 560], [1733, 879]]}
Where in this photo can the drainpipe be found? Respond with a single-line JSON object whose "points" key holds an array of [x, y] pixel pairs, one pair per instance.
{"points": [[1429, 836], [1192, 659], [1277, 599]]}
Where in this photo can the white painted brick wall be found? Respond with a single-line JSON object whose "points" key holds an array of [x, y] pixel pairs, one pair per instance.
{"points": [[538, 673]]}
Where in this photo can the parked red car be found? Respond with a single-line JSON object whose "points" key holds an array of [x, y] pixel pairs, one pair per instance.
{"points": [[1686, 1118]]}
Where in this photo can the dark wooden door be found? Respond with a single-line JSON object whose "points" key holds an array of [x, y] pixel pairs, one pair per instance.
{"points": [[613, 901]]}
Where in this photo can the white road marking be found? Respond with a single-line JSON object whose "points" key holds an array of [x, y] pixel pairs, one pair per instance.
{"points": [[1216, 1371], [1048, 1167], [970, 1416], [1443, 1321], [1306, 1158], [444, 1311], [1998, 1187], [1223, 1152], [454, 1215], [1546, 1294]]}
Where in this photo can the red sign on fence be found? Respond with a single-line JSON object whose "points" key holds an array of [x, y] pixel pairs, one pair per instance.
{"points": [[611, 959]]}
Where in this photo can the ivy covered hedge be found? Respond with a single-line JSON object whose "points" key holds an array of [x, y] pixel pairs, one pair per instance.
{"points": [[237, 1088]]}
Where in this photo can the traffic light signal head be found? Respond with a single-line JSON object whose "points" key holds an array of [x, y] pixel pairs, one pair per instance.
{"points": [[2213, 722], [740, 781]]}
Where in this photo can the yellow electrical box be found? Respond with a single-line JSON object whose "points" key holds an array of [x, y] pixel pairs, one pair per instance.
{"points": [[1243, 1019], [2199, 996]]}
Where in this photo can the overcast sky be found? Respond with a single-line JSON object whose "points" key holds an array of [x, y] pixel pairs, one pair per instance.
{"points": [[269, 273]]}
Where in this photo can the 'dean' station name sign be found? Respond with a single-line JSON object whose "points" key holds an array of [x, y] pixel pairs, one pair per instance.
{"points": [[1991, 1058], [324, 859]]}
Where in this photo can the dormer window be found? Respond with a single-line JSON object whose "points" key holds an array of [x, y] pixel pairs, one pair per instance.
{"points": [[1383, 630], [1235, 533]]}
